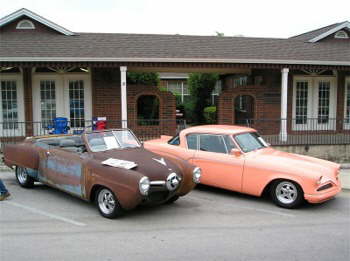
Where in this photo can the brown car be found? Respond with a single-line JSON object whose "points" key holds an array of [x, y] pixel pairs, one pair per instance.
{"points": [[109, 167]]}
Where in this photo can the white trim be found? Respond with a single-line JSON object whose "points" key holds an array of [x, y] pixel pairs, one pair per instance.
{"points": [[18, 78], [123, 96], [31, 25], [329, 32], [284, 92], [21, 12], [175, 60], [347, 82], [312, 103]]}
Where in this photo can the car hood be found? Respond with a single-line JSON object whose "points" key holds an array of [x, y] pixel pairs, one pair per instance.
{"points": [[284, 162], [152, 165]]}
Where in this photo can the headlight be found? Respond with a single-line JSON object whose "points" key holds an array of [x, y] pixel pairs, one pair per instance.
{"points": [[172, 181], [197, 172], [144, 186]]}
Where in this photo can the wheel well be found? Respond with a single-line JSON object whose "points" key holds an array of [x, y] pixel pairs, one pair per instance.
{"points": [[268, 187], [94, 190]]}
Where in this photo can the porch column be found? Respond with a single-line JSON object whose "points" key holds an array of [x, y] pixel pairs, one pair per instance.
{"points": [[284, 91], [123, 96]]}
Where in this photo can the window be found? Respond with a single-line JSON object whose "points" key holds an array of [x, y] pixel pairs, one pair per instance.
{"points": [[212, 143], [250, 141], [192, 141], [174, 140], [341, 35], [179, 88], [229, 143], [9, 105], [148, 110], [76, 103], [25, 24], [323, 102], [314, 103], [347, 104], [47, 102], [301, 102]]}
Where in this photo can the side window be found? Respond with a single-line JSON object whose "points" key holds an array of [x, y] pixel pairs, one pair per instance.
{"points": [[212, 143], [192, 143], [174, 141]]}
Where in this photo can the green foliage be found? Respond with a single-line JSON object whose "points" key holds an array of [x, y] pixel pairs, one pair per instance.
{"points": [[149, 79], [210, 114], [201, 85]]}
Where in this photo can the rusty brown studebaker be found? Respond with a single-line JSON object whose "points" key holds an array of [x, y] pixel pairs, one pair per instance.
{"points": [[109, 167]]}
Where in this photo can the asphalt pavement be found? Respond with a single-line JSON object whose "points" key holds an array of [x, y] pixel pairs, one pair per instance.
{"points": [[208, 224]]}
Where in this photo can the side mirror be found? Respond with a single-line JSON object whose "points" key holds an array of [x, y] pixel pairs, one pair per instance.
{"points": [[236, 152]]}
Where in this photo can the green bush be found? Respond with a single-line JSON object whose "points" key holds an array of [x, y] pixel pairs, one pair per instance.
{"points": [[149, 79], [210, 114], [201, 85]]}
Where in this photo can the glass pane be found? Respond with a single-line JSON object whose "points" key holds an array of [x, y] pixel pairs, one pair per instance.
{"points": [[192, 141], [323, 102], [47, 102], [76, 104], [212, 143], [347, 113], [9, 104], [301, 102]]}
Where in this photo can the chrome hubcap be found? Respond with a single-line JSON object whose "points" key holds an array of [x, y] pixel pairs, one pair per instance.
{"points": [[22, 175], [106, 201], [286, 192]]}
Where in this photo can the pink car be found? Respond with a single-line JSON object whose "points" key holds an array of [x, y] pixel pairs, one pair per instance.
{"points": [[237, 158]]}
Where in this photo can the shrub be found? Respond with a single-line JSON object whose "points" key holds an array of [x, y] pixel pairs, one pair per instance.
{"points": [[210, 114]]}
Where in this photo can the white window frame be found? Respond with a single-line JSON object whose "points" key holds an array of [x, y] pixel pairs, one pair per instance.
{"points": [[62, 95], [18, 78], [312, 103], [347, 83]]}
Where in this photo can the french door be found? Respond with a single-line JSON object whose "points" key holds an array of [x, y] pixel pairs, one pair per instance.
{"points": [[314, 103], [67, 95]]}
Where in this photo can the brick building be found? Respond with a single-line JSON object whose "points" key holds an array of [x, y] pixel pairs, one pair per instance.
{"points": [[280, 86]]}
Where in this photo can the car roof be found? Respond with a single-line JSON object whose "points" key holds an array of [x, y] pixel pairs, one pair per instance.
{"points": [[218, 129]]}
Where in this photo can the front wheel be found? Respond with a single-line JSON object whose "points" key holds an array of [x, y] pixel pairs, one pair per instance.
{"points": [[287, 194], [23, 179], [108, 204], [172, 200]]}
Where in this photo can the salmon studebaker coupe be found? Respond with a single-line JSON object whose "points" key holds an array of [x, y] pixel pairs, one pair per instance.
{"points": [[237, 158], [109, 167]]}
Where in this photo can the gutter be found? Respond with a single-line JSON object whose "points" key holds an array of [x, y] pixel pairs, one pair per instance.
{"points": [[173, 60]]}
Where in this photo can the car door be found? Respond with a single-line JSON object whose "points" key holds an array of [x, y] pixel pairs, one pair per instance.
{"points": [[63, 169], [219, 167]]}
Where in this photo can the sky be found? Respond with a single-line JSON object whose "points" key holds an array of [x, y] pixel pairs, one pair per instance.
{"points": [[251, 18]]}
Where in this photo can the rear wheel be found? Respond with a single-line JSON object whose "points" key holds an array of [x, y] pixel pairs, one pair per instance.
{"points": [[23, 179], [108, 204], [287, 194]]}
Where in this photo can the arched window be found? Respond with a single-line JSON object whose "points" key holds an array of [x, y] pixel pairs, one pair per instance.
{"points": [[25, 24], [341, 35], [148, 110], [244, 109]]}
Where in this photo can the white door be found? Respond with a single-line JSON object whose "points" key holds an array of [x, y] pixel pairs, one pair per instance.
{"points": [[61, 95]]}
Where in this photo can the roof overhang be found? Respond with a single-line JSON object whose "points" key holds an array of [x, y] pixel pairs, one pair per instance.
{"points": [[25, 12], [329, 32], [173, 60]]}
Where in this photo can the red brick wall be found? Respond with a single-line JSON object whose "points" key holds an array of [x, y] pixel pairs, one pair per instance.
{"points": [[106, 103]]}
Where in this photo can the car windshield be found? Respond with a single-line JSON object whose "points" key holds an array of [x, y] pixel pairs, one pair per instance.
{"points": [[108, 140], [250, 141]]}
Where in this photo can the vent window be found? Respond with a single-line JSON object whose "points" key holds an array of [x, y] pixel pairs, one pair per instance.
{"points": [[341, 35], [25, 24]]}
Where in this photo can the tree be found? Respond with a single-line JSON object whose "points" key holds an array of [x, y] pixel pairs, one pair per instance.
{"points": [[201, 85]]}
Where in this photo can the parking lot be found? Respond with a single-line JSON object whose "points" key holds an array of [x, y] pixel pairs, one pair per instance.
{"points": [[208, 224]]}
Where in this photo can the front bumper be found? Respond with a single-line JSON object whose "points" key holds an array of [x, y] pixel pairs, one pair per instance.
{"points": [[325, 195]]}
